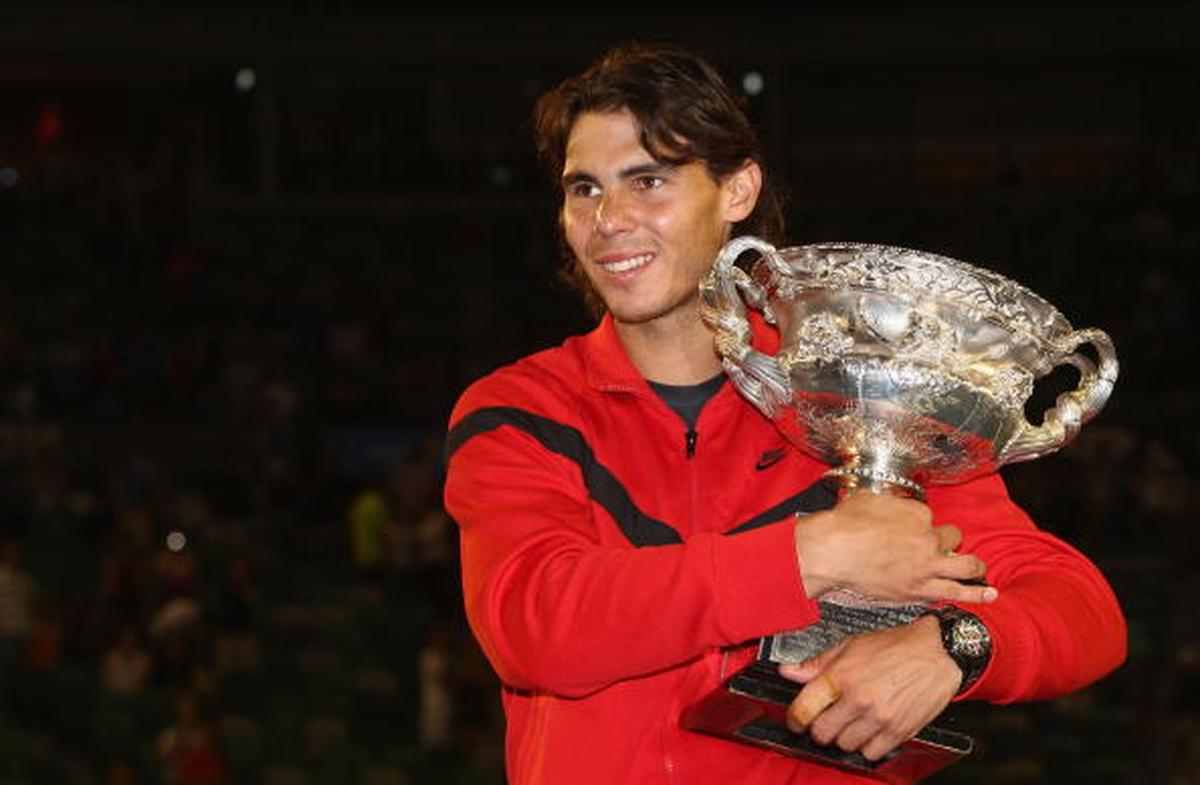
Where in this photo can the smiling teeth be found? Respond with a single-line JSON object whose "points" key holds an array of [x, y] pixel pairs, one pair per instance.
{"points": [[625, 265]]}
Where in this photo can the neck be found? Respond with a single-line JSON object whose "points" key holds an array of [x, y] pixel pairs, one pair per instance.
{"points": [[674, 349]]}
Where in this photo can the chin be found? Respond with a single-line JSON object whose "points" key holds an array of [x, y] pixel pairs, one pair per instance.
{"points": [[642, 314], [631, 313]]}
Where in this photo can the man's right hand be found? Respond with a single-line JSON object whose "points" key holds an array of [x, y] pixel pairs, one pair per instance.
{"points": [[886, 547]]}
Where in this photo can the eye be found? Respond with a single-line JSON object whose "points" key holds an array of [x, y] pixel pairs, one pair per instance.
{"points": [[583, 189], [648, 182]]}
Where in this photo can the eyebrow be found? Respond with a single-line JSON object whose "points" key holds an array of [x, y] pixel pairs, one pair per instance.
{"points": [[571, 178]]}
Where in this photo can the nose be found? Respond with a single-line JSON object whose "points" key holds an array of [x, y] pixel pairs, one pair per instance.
{"points": [[612, 214]]}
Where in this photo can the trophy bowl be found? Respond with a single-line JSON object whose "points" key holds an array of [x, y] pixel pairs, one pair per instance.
{"points": [[900, 368]]}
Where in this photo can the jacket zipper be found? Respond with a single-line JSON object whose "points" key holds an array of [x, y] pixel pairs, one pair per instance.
{"points": [[689, 442]]}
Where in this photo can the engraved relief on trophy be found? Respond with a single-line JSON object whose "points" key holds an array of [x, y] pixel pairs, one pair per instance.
{"points": [[822, 337], [1012, 385], [901, 366], [928, 338]]}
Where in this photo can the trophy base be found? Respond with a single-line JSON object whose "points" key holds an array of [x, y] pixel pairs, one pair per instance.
{"points": [[752, 706]]}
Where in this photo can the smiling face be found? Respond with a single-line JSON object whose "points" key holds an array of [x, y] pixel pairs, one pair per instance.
{"points": [[644, 232]]}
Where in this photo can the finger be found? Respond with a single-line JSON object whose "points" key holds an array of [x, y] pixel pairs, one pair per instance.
{"points": [[881, 744], [802, 671], [952, 591], [949, 537], [808, 669], [961, 566], [829, 725], [857, 733], [818, 695], [795, 671]]}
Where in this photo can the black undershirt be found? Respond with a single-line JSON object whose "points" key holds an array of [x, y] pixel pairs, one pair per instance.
{"points": [[688, 399]]}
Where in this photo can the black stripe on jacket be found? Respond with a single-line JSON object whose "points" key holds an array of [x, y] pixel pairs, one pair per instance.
{"points": [[638, 527]]}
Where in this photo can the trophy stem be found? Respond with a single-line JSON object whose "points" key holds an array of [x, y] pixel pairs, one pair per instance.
{"points": [[879, 474]]}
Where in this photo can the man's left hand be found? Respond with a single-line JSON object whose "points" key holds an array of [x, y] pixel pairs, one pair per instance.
{"points": [[873, 691]]}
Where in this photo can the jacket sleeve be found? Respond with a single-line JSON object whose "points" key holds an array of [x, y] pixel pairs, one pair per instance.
{"points": [[557, 611], [1056, 625]]}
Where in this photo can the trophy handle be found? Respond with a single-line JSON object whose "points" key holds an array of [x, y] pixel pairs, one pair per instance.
{"points": [[757, 375], [1061, 423]]}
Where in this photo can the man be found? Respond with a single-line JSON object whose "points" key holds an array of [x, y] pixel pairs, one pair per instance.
{"points": [[629, 522]]}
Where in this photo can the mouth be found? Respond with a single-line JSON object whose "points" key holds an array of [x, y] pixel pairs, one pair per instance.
{"points": [[620, 265]]}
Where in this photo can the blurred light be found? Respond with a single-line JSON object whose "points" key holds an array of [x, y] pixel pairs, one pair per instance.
{"points": [[245, 79], [8, 176], [50, 125], [753, 83], [176, 542]]}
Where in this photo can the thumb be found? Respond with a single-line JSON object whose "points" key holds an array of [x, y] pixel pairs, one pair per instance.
{"points": [[808, 669]]}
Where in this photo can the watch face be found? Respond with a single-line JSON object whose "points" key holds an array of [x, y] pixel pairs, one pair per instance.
{"points": [[971, 637]]}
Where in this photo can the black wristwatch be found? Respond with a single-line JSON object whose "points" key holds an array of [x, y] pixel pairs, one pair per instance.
{"points": [[967, 641]]}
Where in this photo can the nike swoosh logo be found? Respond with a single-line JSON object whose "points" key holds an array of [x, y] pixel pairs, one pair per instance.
{"points": [[769, 459]]}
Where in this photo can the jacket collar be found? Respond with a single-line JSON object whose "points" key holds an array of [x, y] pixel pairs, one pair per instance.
{"points": [[607, 365]]}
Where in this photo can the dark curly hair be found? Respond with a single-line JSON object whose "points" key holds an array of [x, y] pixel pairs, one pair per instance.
{"points": [[684, 111]]}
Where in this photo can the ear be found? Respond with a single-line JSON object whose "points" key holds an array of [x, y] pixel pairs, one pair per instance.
{"points": [[740, 191]]}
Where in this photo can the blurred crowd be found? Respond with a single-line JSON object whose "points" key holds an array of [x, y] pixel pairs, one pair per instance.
{"points": [[223, 557]]}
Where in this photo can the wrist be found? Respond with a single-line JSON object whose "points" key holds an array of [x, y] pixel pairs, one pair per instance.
{"points": [[930, 632], [808, 536], [965, 639]]}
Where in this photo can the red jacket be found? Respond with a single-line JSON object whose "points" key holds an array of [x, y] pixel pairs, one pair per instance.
{"points": [[612, 566]]}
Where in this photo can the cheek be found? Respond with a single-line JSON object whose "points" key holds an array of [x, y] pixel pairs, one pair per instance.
{"points": [[702, 228], [574, 231], [663, 221]]}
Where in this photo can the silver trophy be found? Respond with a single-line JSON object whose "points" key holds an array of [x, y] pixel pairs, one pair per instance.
{"points": [[899, 369]]}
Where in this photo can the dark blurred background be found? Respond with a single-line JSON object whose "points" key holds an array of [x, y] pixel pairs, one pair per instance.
{"points": [[249, 256]]}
